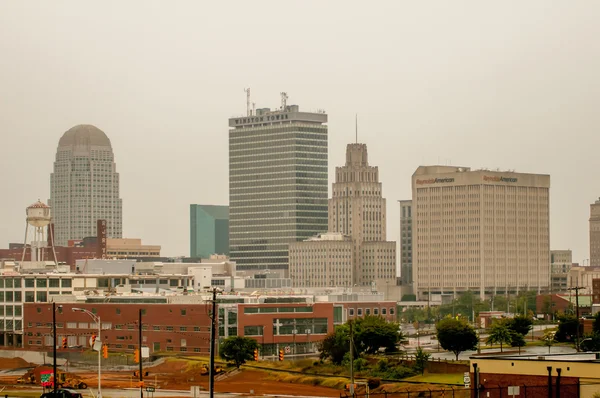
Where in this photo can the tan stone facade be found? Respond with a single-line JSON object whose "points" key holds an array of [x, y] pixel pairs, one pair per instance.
{"points": [[356, 210], [484, 231], [324, 261], [123, 248], [595, 234], [560, 265]]}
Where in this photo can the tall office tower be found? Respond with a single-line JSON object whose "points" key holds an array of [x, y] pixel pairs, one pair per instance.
{"points": [[84, 186], [484, 231], [595, 234], [406, 264], [277, 184], [209, 230], [357, 209]]}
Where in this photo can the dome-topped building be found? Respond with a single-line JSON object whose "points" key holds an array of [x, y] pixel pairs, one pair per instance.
{"points": [[84, 135], [84, 186]]}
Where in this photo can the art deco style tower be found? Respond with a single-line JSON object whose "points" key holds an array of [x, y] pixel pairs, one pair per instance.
{"points": [[84, 186], [357, 209]]}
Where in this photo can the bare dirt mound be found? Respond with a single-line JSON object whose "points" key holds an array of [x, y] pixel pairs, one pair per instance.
{"points": [[14, 363]]}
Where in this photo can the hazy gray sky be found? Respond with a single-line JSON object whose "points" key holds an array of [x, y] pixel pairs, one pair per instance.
{"points": [[510, 85]]}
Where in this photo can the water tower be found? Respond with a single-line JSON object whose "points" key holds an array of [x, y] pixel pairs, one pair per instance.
{"points": [[38, 217]]}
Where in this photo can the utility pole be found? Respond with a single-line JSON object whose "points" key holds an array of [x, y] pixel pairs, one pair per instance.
{"points": [[211, 371], [54, 375], [576, 288], [351, 360], [141, 356]]}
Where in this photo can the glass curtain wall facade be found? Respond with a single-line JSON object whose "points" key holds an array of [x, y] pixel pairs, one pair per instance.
{"points": [[277, 184]]}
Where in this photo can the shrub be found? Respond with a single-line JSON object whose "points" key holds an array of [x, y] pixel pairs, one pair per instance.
{"points": [[373, 382]]}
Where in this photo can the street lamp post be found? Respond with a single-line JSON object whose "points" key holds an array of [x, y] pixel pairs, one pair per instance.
{"points": [[96, 319]]}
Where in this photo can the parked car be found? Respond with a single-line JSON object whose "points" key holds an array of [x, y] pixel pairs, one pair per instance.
{"points": [[62, 393]]}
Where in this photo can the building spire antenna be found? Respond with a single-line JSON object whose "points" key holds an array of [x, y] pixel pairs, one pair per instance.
{"points": [[356, 126]]}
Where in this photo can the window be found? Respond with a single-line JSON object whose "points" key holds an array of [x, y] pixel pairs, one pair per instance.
{"points": [[391, 310], [360, 312], [183, 343], [183, 312], [39, 310], [41, 282], [29, 283], [169, 328], [29, 297], [54, 283], [169, 348], [383, 311], [71, 325], [368, 311], [118, 311], [156, 328], [83, 325], [196, 328], [196, 349], [350, 311], [66, 283], [182, 329], [375, 311], [253, 330], [183, 349]]}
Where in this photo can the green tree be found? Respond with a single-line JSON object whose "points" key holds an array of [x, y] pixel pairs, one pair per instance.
{"points": [[456, 335], [421, 360], [591, 342], [238, 350], [499, 334], [596, 324], [373, 332], [567, 328], [517, 340], [335, 345], [520, 324], [549, 338]]}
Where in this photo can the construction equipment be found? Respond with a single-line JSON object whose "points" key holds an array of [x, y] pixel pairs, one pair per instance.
{"points": [[204, 370], [64, 380]]}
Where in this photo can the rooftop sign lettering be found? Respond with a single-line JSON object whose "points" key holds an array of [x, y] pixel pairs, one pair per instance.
{"points": [[258, 119], [435, 181], [499, 179]]}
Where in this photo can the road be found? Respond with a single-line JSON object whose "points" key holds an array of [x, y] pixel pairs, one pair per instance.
{"points": [[135, 393]]}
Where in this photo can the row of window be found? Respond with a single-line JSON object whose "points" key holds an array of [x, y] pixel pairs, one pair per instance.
{"points": [[370, 311]]}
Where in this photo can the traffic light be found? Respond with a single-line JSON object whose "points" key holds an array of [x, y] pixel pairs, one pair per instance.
{"points": [[136, 355], [281, 355], [64, 342], [256, 354], [137, 373], [93, 339], [105, 351]]}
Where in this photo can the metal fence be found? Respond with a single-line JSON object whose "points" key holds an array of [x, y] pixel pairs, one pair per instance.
{"points": [[497, 391]]}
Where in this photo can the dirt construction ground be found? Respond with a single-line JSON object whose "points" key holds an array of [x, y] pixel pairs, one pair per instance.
{"points": [[180, 375]]}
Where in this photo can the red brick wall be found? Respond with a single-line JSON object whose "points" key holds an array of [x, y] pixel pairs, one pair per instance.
{"points": [[160, 316], [319, 310], [530, 386]]}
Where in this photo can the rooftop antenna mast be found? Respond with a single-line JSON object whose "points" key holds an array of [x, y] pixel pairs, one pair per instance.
{"points": [[284, 98], [248, 109]]}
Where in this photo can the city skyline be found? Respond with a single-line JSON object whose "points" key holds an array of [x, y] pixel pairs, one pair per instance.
{"points": [[494, 99]]}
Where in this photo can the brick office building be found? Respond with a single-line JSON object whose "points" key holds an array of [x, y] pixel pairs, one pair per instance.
{"points": [[294, 328], [165, 327]]}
